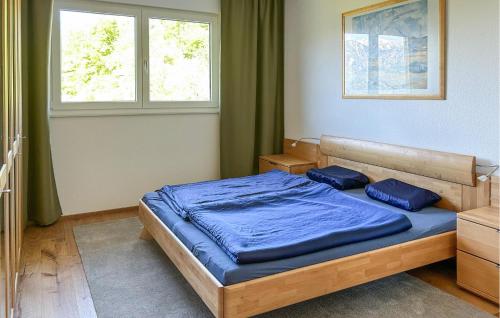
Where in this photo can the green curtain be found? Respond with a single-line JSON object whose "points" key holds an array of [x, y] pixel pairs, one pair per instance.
{"points": [[251, 121], [42, 203]]}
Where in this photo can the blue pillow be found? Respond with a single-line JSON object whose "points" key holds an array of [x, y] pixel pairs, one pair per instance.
{"points": [[401, 195], [338, 177]]}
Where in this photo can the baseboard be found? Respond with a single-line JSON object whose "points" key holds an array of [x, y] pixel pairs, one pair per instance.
{"points": [[102, 212]]}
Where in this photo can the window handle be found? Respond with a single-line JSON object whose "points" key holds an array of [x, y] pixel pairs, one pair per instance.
{"points": [[6, 191], [146, 65]]}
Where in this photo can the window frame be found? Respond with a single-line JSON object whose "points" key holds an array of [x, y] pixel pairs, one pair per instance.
{"points": [[175, 15], [97, 8], [142, 104]]}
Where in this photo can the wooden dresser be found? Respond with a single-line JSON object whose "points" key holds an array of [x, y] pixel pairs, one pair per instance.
{"points": [[478, 235], [285, 162]]}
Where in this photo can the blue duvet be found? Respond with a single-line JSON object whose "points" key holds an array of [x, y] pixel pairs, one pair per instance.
{"points": [[186, 197], [278, 215], [294, 222]]}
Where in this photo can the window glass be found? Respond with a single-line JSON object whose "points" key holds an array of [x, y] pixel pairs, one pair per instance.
{"points": [[98, 57], [179, 58]]}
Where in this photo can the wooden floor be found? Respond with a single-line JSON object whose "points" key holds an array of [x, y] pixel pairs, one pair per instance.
{"points": [[53, 283]]}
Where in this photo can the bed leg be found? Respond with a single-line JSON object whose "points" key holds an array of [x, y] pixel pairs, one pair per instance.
{"points": [[145, 235]]}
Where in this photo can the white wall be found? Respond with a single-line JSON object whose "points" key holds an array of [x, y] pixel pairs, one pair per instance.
{"points": [[467, 122], [110, 162]]}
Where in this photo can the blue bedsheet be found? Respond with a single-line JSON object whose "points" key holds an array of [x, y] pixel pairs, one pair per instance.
{"points": [[430, 221], [185, 197], [293, 222]]}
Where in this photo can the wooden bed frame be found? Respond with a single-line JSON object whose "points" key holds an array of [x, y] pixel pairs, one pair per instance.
{"points": [[451, 175]]}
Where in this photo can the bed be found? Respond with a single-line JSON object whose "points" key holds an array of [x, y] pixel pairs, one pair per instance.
{"points": [[241, 290]]}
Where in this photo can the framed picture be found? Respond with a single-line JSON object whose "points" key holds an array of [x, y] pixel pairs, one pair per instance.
{"points": [[395, 50]]}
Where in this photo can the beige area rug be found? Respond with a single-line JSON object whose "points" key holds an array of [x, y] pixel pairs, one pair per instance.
{"points": [[129, 277]]}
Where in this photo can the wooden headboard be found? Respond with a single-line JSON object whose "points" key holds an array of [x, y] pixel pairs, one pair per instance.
{"points": [[452, 176]]}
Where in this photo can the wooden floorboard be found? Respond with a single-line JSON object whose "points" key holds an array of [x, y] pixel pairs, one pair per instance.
{"points": [[53, 282], [52, 279]]}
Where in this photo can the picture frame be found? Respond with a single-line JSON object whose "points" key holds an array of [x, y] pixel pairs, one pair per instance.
{"points": [[395, 49]]}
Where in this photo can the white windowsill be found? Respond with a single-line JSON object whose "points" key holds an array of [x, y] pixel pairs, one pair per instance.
{"points": [[57, 113]]}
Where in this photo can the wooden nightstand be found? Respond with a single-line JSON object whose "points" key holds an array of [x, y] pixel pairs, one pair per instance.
{"points": [[478, 234], [284, 162]]}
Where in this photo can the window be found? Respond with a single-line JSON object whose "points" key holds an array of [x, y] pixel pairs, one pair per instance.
{"points": [[97, 57], [182, 56], [109, 59], [181, 48]]}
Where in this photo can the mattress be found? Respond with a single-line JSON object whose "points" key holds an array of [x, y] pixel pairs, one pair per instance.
{"points": [[428, 222]]}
